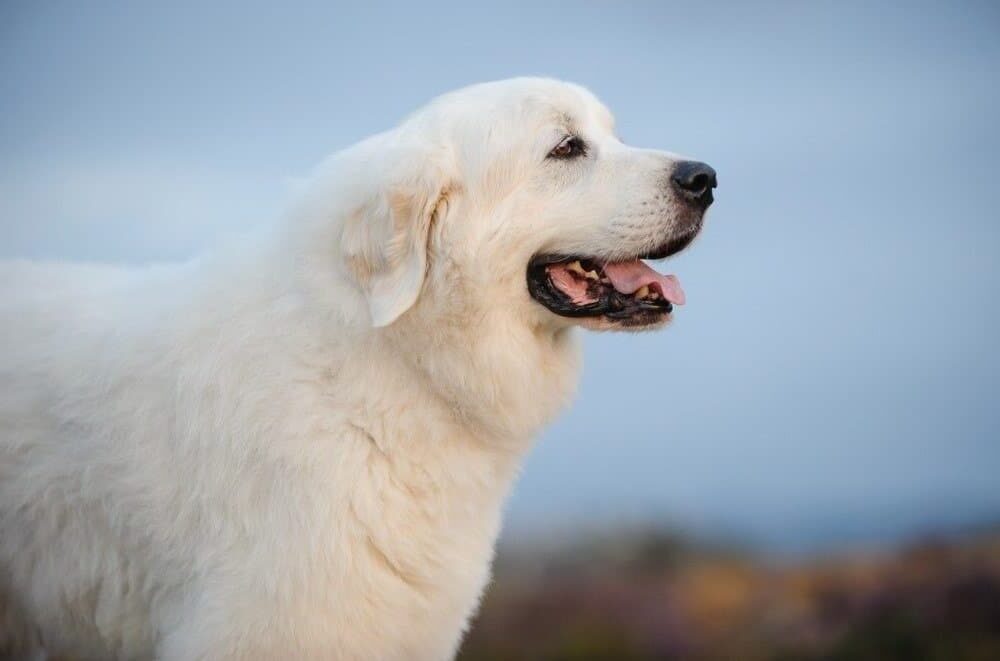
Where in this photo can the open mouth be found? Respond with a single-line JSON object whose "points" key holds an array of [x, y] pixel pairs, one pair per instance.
{"points": [[628, 293]]}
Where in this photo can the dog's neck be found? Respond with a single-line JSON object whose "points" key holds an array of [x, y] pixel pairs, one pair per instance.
{"points": [[502, 379]]}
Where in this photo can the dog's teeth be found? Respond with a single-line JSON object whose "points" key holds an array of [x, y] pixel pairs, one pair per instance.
{"points": [[577, 267], [643, 292]]}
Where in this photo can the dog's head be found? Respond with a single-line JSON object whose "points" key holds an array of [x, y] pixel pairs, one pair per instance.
{"points": [[518, 197]]}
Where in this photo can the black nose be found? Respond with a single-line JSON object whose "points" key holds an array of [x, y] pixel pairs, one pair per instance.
{"points": [[694, 181]]}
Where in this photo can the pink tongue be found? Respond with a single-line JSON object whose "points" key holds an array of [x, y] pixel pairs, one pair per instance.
{"points": [[629, 277]]}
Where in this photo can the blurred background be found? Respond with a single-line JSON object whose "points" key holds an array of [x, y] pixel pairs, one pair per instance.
{"points": [[806, 464]]}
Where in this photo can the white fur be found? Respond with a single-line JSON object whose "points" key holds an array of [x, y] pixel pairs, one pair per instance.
{"points": [[299, 446]]}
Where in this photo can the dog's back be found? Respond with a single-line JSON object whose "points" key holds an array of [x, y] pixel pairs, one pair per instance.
{"points": [[57, 328]]}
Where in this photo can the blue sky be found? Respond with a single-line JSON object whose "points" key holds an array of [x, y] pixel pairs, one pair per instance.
{"points": [[834, 376]]}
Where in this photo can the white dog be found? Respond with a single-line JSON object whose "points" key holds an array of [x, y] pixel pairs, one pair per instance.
{"points": [[299, 447]]}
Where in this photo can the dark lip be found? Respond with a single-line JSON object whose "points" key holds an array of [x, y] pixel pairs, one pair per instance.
{"points": [[674, 245], [610, 304], [671, 247]]}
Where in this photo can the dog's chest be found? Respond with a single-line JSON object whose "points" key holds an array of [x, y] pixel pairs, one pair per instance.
{"points": [[412, 544]]}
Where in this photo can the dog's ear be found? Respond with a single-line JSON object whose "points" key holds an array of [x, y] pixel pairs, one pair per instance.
{"points": [[385, 239]]}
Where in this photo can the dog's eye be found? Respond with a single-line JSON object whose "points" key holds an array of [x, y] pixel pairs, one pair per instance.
{"points": [[570, 147]]}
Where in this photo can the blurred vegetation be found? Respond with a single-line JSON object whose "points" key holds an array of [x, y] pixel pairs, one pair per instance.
{"points": [[655, 596]]}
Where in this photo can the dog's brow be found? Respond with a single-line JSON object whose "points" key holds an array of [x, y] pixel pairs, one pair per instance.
{"points": [[567, 121]]}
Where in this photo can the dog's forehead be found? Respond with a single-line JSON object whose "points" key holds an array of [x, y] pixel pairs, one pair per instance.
{"points": [[583, 109], [537, 101], [570, 106]]}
